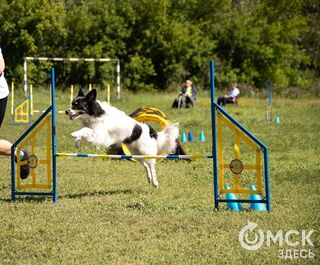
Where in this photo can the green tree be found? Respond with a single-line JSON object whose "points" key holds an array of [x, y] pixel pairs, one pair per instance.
{"points": [[31, 28], [160, 43]]}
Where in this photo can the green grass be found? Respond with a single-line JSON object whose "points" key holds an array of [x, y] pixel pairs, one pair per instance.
{"points": [[108, 214]]}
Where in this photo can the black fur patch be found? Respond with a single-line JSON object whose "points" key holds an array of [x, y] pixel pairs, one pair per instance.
{"points": [[136, 133], [95, 109], [92, 108], [152, 132]]}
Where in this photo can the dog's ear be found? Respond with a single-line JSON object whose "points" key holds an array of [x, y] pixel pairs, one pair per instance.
{"points": [[80, 94], [92, 95]]}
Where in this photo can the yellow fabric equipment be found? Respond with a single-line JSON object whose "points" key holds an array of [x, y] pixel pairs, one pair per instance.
{"points": [[145, 114]]}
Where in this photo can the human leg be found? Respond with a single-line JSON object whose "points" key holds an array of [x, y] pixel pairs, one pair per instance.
{"points": [[189, 101], [192, 101], [5, 147], [183, 101], [228, 100], [3, 105], [221, 101]]}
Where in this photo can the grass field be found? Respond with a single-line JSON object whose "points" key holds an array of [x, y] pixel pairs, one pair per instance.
{"points": [[108, 214]]}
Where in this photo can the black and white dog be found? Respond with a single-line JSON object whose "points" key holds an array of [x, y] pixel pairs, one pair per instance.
{"points": [[104, 125]]}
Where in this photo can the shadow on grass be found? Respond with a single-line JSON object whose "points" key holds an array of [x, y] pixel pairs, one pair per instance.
{"points": [[28, 199], [5, 200], [40, 199], [97, 193]]}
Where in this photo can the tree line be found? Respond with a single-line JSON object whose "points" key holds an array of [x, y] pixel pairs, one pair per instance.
{"points": [[161, 43]]}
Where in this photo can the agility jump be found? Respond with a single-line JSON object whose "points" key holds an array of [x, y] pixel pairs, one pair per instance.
{"points": [[21, 113], [54, 59], [32, 110], [230, 175]]}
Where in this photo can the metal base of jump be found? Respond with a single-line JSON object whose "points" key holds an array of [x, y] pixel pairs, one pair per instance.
{"points": [[226, 173]]}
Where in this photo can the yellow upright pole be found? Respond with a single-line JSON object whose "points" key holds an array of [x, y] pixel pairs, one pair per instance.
{"points": [[50, 93], [90, 87], [31, 99], [108, 93], [71, 94]]}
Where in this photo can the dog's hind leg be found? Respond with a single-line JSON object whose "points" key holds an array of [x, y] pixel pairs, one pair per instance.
{"points": [[152, 166], [147, 168]]}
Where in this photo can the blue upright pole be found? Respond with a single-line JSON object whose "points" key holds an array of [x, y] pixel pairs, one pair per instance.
{"points": [[54, 145], [13, 179], [266, 176], [214, 138]]}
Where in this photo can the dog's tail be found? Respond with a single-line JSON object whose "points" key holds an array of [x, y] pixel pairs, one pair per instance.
{"points": [[166, 139]]}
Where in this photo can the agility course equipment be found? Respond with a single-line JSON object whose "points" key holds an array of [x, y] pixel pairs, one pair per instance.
{"points": [[147, 113], [42, 111], [238, 171], [202, 137], [268, 103], [20, 113], [42, 159], [231, 168], [233, 206], [183, 137], [190, 137], [255, 197], [54, 59], [32, 111]]}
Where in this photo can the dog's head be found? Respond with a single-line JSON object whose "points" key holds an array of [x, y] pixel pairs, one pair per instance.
{"points": [[84, 105]]}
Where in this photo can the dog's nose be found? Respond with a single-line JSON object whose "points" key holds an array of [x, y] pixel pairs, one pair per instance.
{"points": [[67, 111]]}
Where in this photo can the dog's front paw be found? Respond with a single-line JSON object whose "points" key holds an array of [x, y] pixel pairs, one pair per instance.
{"points": [[76, 135], [78, 138], [78, 143]]}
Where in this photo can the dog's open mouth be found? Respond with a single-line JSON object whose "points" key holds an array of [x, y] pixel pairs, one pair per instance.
{"points": [[73, 116]]}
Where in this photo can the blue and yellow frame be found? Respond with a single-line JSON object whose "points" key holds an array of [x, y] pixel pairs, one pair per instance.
{"points": [[219, 117], [33, 187]]}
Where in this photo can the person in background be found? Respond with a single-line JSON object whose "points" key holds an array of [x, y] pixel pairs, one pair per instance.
{"points": [[188, 94], [5, 146], [230, 97]]}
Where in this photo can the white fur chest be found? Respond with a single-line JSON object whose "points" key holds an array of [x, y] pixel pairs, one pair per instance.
{"points": [[113, 127]]}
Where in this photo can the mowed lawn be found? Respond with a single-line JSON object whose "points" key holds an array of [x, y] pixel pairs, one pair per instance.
{"points": [[107, 213]]}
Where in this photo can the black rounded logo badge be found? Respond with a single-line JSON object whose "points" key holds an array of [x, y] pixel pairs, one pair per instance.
{"points": [[236, 166]]}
